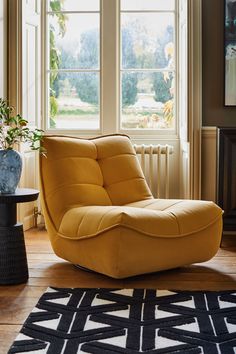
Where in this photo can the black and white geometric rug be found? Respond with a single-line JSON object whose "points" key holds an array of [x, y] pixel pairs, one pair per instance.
{"points": [[130, 321]]}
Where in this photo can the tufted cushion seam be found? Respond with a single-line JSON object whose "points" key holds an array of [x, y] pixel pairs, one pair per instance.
{"points": [[103, 184], [115, 155], [105, 214], [81, 222], [167, 208], [124, 180], [70, 185], [73, 157], [152, 203], [177, 221]]}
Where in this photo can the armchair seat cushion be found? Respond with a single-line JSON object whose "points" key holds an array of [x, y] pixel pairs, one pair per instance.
{"points": [[156, 218]]}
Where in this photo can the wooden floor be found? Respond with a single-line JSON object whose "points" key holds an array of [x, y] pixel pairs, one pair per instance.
{"points": [[46, 269]]}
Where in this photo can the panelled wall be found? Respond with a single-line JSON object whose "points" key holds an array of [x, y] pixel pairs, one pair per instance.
{"points": [[214, 113]]}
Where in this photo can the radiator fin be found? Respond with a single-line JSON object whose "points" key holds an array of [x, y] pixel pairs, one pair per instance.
{"points": [[155, 163]]}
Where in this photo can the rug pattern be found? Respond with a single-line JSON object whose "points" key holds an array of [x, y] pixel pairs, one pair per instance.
{"points": [[130, 321]]}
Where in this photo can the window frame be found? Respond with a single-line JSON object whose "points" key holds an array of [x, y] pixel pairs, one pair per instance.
{"points": [[110, 76]]}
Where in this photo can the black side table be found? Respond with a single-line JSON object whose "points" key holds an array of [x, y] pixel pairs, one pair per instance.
{"points": [[13, 261]]}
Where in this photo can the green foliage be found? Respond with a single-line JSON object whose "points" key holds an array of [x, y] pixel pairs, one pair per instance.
{"points": [[136, 56], [55, 57], [160, 57], [56, 6], [129, 89], [89, 52], [86, 84], [161, 86], [68, 60], [5, 110], [14, 130], [87, 87], [56, 86], [129, 59], [53, 106], [54, 65], [77, 112], [129, 80]]}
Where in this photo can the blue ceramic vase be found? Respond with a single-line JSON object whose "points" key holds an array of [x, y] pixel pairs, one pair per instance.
{"points": [[10, 170]]}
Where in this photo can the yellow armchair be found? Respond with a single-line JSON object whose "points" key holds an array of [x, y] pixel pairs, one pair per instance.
{"points": [[100, 213]]}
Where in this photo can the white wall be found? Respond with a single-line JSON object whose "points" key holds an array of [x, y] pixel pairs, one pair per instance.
{"points": [[3, 48]]}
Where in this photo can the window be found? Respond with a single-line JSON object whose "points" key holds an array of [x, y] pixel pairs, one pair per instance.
{"points": [[147, 64], [73, 66], [143, 88]]}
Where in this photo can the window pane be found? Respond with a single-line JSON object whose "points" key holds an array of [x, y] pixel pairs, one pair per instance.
{"points": [[74, 41], [147, 100], [73, 5], [74, 100], [147, 40], [147, 5]]}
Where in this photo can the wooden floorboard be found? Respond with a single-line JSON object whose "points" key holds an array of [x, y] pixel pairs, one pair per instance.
{"points": [[46, 269]]}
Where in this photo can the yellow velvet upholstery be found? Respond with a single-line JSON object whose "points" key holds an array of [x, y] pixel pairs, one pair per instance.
{"points": [[100, 213]]}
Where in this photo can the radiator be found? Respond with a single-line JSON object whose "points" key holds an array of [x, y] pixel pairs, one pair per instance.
{"points": [[155, 162]]}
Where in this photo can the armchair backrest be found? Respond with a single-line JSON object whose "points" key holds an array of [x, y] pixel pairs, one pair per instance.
{"points": [[79, 172]]}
